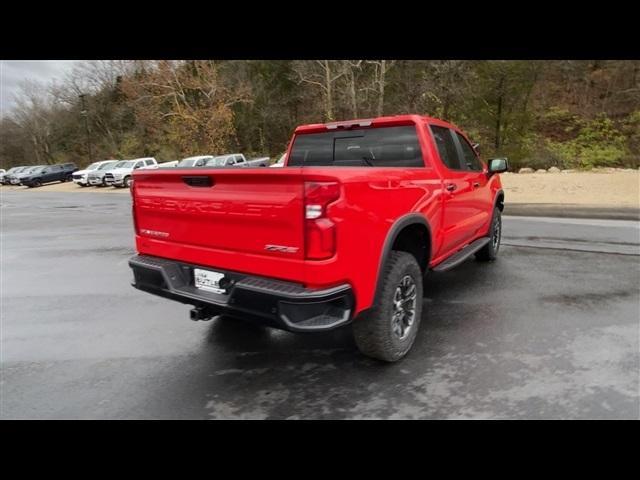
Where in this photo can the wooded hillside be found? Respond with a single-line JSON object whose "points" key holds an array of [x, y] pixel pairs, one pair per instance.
{"points": [[538, 113]]}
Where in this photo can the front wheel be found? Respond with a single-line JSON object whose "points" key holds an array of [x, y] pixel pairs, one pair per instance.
{"points": [[389, 329], [489, 252], [127, 182]]}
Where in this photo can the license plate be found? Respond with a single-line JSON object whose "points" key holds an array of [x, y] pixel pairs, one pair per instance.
{"points": [[208, 280]]}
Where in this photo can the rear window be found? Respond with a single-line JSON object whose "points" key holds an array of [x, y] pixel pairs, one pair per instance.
{"points": [[377, 147]]}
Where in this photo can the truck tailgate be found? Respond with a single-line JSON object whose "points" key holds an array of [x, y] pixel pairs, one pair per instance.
{"points": [[230, 210]]}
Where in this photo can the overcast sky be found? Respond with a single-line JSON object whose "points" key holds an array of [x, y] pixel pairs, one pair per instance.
{"points": [[14, 71]]}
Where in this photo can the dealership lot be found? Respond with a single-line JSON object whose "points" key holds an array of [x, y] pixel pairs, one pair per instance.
{"points": [[550, 330]]}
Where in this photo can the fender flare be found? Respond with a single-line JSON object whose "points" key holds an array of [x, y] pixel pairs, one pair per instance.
{"points": [[392, 235], [499, 193]]}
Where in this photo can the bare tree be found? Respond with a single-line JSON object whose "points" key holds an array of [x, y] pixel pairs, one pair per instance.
{"points": [[323, 74], [32, 105], [379, 82], [352, 67]]}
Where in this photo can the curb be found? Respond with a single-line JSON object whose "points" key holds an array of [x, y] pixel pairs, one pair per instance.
{"points": [[571, 211]]}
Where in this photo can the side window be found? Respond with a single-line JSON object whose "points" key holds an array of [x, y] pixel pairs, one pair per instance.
{"points": [[149, 162], [469, 157], [446, 147], [239, 159], [139, 164]]}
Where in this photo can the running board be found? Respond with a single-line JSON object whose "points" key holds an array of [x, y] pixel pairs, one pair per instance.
{"points": [[462, 255]]}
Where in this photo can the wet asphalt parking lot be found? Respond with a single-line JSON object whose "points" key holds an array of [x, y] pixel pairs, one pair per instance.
{"points": [[550, 330]]}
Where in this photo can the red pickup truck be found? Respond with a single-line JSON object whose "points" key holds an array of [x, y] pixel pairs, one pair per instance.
{"points": [[344, 233]]}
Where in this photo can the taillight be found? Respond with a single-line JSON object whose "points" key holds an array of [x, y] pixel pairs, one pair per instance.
{"points": [[320, 231], [133, 209]]}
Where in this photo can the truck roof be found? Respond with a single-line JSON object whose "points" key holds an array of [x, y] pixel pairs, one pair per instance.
{"points": [[372, 122]]}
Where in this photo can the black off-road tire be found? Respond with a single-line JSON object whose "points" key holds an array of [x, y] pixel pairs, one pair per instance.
{"points": [[489, 252], [373, 332]]}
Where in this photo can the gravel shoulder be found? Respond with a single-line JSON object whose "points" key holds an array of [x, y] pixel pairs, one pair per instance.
{"points": [[587, 189]]}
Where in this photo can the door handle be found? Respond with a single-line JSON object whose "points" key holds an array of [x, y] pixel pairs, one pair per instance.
{"points": [[451, 187], [476, 184]]}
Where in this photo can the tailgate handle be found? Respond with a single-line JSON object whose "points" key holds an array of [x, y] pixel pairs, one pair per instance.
{"points": [[198, 180]]}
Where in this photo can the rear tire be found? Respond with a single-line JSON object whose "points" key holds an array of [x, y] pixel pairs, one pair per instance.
{"points": [[388, 330], [489, 252]]}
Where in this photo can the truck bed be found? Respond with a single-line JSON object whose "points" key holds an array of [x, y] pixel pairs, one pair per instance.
{"points": [[252, 220]]}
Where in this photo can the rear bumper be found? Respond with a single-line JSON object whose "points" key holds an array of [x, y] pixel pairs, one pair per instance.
{"points": [[284, 305]]}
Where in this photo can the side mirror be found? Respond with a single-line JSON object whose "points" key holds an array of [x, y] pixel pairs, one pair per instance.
{"points": [[498, 165]]}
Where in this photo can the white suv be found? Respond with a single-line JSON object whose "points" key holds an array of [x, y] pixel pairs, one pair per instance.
{"points": [[81, 177], [120, 175]]}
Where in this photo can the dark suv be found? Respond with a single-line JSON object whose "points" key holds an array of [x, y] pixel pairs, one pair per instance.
{"points": [[61, 172]]}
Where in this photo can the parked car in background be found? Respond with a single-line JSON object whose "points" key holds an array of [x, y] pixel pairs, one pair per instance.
{"points": [[62, 172], [9, 173], [198, 161], [81, 177], [16, 178], [120, 175], [2, 172], [95, 178], [172, 164], [280, 162], [236, 160]]}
